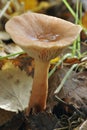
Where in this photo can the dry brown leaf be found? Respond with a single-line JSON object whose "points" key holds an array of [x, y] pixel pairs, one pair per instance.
{"points": [[71, 61], [5, 116], [75, 87]]}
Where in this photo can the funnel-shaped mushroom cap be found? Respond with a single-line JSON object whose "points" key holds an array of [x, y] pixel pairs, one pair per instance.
{"points": [[41, 36]]}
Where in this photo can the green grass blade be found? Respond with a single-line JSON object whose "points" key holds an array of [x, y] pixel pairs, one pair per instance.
{"points": [[57, 64], [69, 8], [11, 55], [64, 79]]}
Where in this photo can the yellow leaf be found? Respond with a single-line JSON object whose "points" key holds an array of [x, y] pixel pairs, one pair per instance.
{"points": [[29, 4], [84, 20], [41, 6], [53, 61]]}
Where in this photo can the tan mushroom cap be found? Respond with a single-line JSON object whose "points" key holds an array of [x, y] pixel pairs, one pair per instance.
{"points": [[41, 36]]}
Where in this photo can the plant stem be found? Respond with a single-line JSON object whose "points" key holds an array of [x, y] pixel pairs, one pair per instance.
{"points": [[11, 55], [74, 49], [69, 8], [76, 45], [79, 41], [64, 79], [57, 64], [77, 8], [81, 13]]}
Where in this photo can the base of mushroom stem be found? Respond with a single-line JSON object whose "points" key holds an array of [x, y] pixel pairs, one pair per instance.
{"points": [[34, 110]]}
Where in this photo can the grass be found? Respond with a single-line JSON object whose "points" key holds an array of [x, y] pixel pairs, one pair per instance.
{"points": [[58, 63], [75, 49], [65, 78], [69, 8], [11, 55]]}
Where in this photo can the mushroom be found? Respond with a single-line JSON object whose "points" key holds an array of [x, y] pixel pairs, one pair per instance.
{"points": [[43, 38]]}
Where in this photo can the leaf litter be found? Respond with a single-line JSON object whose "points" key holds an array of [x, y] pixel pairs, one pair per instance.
{"points": [[66, 112], [73, 86], [73, 93], [15, 94]]}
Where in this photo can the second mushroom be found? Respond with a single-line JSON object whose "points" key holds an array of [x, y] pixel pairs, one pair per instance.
{"points": [[43, 38]]}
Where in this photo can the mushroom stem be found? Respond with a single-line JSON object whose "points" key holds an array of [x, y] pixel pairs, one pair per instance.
{"points": [[39, 88]]}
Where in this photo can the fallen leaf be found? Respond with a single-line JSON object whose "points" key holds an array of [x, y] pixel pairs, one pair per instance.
{"points": [[42, 6], [15, 88], [84, 20], [5, 50], [71, 61], [14, 123], [12, 49], [4, 35], [74, 90], [83, 126], [55, 60], [75, 87], [5, 116], [2, 52], [26, 63], [29, 4]]}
